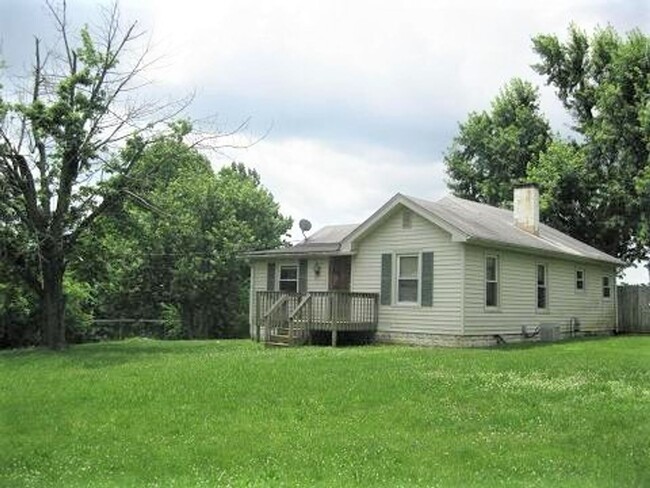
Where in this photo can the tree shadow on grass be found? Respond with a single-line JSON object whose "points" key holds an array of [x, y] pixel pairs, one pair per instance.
{"points": [[105, 354]]}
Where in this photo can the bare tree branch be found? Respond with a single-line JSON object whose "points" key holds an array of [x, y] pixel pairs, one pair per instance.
{"points": [[38, 141], [60, 19], [20, 176], [69, 145]]}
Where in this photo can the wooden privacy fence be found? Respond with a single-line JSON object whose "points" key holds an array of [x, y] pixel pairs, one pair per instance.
{"points": [[634, 309]]}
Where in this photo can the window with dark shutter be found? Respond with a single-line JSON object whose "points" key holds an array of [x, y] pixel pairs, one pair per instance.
{"points": [[288, 281], [386, 278], [407, 278], [426, 300]]}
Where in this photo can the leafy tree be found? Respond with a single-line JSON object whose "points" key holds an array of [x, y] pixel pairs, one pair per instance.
{"points": [[77, 125], [604, 83], [180, 256], [17, 313], [567, 183], [494, 149], [595, 184]]}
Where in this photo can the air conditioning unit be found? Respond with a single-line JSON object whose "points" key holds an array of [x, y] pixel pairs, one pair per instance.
{"points": [[550, 332]]}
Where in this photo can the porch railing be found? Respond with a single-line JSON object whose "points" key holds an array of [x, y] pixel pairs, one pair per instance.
{"points": [[317, 310]]}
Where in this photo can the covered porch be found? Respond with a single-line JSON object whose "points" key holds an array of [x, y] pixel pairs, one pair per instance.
{"points": [[284, 318]]}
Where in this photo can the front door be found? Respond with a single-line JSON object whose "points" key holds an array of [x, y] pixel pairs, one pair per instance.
{"points": [[340, 272]]}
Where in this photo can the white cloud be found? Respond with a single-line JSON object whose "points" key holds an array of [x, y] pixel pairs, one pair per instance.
{"points": [[330, 185], [346, 83], [413, 62], [636, 274], [415, 56], [350, 85]]}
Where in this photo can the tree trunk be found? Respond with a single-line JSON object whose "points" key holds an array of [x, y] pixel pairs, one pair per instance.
{"points": [[53, 299]]}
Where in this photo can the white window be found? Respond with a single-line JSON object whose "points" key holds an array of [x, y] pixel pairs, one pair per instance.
{"points": [[607, 288], [407, 278], [491, 281], [542, 287], [580, 279], [289, 279]]}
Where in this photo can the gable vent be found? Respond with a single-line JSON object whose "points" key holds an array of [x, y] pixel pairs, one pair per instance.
{"points": [[407, 219]]}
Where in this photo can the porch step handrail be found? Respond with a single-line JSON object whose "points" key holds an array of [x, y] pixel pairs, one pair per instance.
{"points": [[288, 314], [305, 300], [268, 316], [275, 306]]}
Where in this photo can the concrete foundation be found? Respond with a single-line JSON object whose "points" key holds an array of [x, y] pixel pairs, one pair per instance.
{"points": [[445, 340]]}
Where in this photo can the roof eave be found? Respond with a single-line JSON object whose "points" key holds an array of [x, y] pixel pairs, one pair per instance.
{"points": [[547, 252], [294, 255]]}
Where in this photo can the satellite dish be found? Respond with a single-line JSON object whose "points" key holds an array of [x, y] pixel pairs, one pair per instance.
{"points": [[305, 226]]}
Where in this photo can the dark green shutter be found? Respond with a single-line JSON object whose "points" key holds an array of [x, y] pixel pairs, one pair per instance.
{"points": [[386, 278], [270, 277], [302, 276], [426, 300]]}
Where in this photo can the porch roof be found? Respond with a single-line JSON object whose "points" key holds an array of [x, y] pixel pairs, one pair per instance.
{"points": [[324, 242]]}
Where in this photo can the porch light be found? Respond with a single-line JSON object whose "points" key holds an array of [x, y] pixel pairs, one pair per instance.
{"points": [[317, 268]]}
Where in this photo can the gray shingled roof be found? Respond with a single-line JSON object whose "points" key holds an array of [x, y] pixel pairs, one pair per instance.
{"points": [[326, 240], [484, 222], [477, 221], [330, 234]]}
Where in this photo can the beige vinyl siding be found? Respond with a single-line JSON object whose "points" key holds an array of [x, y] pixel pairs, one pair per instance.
{"points": [[258, 278], [258, 283], [259, 273], [422, 236], [320, 282], [251, 301], [314, 283], [518, 293]]}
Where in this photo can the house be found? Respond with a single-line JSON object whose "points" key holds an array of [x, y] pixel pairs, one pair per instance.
{"points": [[451, 272]]}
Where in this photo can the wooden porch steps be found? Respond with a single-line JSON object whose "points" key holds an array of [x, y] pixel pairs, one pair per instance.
{"points": [[288, 319], [282, 337]]}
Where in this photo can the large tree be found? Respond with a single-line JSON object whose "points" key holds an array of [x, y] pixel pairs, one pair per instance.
{"points": [[603, 80], [76, 125], [494, 148], [595, 182], [182, 252]]}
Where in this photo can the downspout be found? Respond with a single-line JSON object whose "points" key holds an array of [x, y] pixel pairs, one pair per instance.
{"points": [[462, 289], [251, 303]]}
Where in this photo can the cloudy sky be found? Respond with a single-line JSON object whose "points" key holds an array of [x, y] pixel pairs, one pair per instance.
{"points": [[360, 99]]}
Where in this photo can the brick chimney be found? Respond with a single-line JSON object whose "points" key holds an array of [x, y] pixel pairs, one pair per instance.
{"points": [[526, 207]]}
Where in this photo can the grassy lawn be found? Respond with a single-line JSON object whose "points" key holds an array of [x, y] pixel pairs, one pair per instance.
{"points": [[219, 413]]}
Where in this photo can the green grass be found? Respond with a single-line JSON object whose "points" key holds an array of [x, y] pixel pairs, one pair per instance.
{"points": [[149, 413]]}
